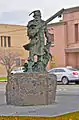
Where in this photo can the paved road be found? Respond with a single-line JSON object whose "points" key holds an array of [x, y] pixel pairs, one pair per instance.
{"points": [[67, 99]]}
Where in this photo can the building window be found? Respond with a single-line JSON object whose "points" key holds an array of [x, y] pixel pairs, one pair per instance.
{"points": [[9, 41], [5, 41], [51, 38], [17, 62], [22, 61], [76, 32], [1, 41]]}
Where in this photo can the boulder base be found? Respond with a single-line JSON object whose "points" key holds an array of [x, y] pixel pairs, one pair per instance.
{"points": [[31, 89]]}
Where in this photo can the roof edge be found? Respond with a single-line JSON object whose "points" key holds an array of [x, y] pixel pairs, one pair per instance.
{"points": [[13, 25], [70, 10], [56, 23]]}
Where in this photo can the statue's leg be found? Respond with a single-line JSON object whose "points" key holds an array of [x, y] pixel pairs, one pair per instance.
{"points": [[30, 62], [40, 64], [31, 56]]}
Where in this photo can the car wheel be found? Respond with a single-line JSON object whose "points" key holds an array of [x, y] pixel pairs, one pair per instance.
{"points": [[77, 82], [65, 80]]}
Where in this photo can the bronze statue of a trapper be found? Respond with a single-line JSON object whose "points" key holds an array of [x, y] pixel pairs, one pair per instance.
{"points": [[37, 32]]}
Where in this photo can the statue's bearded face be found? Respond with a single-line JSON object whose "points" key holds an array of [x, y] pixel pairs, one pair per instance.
{"points": [[37, 16]]}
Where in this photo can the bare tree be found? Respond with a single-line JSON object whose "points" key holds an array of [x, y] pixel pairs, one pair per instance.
{"points": [[7, 59]]}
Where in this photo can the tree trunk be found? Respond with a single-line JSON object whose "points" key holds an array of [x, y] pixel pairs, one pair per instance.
{"points": [[8, 73]]}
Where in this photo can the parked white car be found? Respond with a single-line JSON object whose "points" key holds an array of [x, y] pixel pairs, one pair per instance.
{"points": [[66, 74], [18, 70]]}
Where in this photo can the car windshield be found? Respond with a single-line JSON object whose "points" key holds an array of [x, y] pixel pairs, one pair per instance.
{"points": [[72, 69]]}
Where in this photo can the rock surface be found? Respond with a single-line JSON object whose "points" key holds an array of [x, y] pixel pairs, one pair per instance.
{"points": [[31, 89]]}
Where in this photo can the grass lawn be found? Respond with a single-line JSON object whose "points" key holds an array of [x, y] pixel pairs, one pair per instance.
{"points": [[69, 116], [3, 79]]}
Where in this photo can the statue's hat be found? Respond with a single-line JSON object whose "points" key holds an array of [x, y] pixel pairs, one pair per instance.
{"points": [[36, 13]]}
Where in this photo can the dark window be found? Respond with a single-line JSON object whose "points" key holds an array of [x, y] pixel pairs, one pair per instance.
{"points": [[5, 41], [1, 41], [59, 70], [76, 32], [9, 41]]}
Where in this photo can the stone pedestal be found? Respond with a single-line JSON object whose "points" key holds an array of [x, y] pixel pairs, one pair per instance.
{"points": [[31, 89]]}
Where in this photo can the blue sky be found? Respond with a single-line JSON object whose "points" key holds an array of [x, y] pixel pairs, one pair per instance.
{"points": [[16, 11]]}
